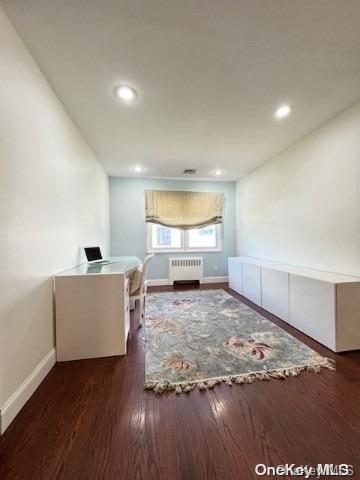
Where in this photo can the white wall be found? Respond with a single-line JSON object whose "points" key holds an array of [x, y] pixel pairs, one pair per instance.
{"points": [[303, 206], [53, 199]]}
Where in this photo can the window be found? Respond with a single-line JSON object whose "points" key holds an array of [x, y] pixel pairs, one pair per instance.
{"points": [[203, 237], [164, 239]]}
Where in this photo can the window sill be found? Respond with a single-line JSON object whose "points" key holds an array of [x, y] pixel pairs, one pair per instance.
{"points": [[198, 250]]}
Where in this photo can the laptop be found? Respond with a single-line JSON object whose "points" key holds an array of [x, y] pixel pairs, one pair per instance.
{"points": [[93, 255]]}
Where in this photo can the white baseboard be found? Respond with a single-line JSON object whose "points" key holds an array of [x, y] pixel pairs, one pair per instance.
{"points": [[223, 279], [165, 281], [158, 282], [22, 394]]}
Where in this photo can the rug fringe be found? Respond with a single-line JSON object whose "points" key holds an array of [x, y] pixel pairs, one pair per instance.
{"points": [[280, 374]]}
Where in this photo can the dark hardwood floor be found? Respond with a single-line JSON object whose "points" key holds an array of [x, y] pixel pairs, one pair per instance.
{"points": [[91, 419]]}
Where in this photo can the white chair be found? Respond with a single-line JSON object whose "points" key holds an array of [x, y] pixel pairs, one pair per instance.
{"points": [[139, 286]]}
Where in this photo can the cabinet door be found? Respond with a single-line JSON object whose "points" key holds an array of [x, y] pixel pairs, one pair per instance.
{"points": [[275, 292], [251, 282], [312, 308], [348, 316], [235, 274]]}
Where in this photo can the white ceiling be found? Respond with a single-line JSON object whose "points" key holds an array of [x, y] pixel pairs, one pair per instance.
{"points": [[209, 74]]}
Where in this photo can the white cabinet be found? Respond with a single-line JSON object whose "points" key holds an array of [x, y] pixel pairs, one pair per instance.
{"points": [[312, 308], [324, 305], [275, 292], [252, 282], [235, 274]]}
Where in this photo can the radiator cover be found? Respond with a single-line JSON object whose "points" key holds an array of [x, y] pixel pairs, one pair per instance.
{"points": [[181, 268]]}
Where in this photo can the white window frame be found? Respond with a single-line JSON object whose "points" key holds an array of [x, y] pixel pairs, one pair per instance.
{"points": [[184, 242]]}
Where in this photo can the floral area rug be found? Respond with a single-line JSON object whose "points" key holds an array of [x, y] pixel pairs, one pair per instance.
{"points": [[197, 339]]}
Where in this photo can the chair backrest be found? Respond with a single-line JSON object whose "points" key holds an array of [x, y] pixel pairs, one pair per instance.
{"points": [[145, 269]]}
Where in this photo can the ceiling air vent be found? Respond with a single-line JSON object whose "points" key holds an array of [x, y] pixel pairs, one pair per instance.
{"points": [[189, 171]]}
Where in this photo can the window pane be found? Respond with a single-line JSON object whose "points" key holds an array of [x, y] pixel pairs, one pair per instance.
{"points": [[164, 237], [203, 237]]}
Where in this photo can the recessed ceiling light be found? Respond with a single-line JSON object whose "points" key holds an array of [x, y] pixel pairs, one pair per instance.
{"points": [[218, 172], [126, 93], [282, 112], [138, 169]]}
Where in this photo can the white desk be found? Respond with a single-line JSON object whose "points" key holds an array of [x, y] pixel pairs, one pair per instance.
{"points": [[92, 309]]}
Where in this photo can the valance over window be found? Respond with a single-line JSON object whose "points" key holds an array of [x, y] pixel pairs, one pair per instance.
{"points": [[183, 210]]}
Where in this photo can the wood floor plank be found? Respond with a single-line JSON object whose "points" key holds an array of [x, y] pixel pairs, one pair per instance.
{"points": [[92, 420]]}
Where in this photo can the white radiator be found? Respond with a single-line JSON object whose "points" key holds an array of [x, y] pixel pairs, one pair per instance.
{"points": [[186, 269]]}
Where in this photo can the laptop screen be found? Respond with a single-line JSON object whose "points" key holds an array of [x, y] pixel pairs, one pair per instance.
{"points": [[93, 253]]}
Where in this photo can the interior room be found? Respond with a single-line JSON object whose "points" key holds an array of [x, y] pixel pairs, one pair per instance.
{"points": [[179, 231]]}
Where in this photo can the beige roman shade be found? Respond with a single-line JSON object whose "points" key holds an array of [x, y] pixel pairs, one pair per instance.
{"points": [[183, 210]]}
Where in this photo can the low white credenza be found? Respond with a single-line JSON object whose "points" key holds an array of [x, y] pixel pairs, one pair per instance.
{"points": [[92, 309], [324, 305]]}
